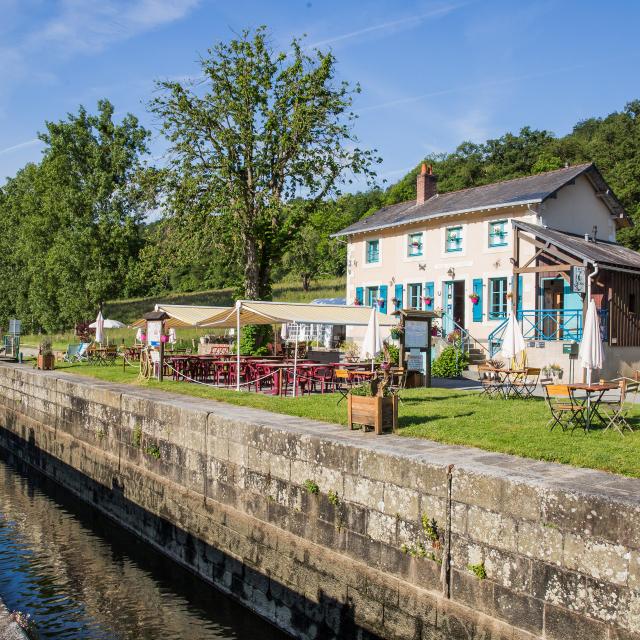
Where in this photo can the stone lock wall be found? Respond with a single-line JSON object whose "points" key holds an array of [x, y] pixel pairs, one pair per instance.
{"points": [[330, 533]]}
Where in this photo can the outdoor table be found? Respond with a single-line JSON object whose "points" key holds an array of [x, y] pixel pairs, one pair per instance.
{"points": [[597, 390], [505, 377]]}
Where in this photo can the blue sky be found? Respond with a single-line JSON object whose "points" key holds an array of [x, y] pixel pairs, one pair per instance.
{"points": [[433, 73]]}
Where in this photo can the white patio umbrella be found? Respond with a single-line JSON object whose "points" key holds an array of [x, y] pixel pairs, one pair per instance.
{"points": [[591, 353], [98, 325], [372, 343], [513, 342], [172, 336], [139, 334], [107, 323]]}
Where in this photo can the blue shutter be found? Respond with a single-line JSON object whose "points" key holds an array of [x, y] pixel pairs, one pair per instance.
{"points": [[359, 294], [477, 308], [428, 293], [383, 296], [398, 296]]}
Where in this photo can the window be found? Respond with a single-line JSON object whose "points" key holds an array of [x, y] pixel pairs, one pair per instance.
{"points": [[454, 239], [415, 296], [498, 233], [373, 251], [497, 298], [414, 244], [372, 296]]}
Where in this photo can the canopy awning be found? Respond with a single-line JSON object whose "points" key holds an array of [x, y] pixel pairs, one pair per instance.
{"points": [[260, 312], [183, 315]]}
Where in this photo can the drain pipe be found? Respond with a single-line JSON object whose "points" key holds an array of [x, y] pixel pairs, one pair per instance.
{"points": [[590, 280]]}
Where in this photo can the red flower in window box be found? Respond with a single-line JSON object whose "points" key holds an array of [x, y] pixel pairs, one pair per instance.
{"points": [[427, 300], [474, 297]]}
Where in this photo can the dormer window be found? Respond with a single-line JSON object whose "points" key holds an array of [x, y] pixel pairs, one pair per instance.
{"points": [[373, 251], [414, 244], [453, 239], [498, 233]]}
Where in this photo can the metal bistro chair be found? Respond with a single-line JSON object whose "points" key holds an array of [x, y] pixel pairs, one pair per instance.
{"points": [[344, 382], [565, 409], [614, 405], [492, 386], [398, 380], [525, 385]]}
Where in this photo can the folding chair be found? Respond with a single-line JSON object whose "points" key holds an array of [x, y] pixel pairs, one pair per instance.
{"points": [[71, 353], [565, 409], [614, 405], [343, 377], [525, 385], [490, 381]]}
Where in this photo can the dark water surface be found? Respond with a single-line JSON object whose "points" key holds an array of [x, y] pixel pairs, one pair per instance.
{"points": [[81, 576]]}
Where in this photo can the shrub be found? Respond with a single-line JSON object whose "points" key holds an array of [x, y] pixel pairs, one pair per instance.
{"points": [[254, 338], [450, 363]]}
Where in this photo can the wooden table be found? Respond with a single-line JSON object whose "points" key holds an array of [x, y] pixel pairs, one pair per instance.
{"points": [[592, 390], [505, 378]]}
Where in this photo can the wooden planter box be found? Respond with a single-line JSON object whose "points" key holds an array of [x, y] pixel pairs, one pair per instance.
{"points": [[47, 362], [373, 411]]}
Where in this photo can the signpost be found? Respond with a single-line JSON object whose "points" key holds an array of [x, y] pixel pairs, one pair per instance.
{"points": [[155, 336], [415, 342]]}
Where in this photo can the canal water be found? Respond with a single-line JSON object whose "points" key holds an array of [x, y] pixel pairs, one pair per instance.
{"points": [[80, 576]]}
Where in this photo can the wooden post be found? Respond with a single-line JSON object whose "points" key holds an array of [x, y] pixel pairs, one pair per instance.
{"points": [[378, 416], [427, 372], [161, 364], [515, 270], [349, 418]]}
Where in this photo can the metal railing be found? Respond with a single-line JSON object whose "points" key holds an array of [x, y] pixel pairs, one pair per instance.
{"points": [[466, 339], [543, 324]]}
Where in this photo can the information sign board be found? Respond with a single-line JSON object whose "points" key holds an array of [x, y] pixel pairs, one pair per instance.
{"points": [[154, 332], [415, 334]]}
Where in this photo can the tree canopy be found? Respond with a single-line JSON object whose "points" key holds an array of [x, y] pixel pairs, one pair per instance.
{"points": [[262, 129]]}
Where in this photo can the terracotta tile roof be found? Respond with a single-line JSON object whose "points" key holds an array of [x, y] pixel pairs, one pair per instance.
{"points": [[527, 190]]}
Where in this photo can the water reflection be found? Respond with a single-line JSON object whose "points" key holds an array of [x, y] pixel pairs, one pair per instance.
{"points": [[80, 576]]}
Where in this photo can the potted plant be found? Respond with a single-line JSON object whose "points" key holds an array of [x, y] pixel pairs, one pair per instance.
{"points": [[351, 351], [46, 359], [474, 297], [357, 302], [380, 302], [373, 405], [396, 302], [427, 300], [397, 331]]}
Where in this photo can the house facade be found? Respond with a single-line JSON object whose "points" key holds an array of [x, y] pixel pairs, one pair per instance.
{"points": [[475, 254]]}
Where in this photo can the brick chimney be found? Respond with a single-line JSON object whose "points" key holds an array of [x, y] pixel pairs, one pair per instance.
{"points": [[426, 185]]}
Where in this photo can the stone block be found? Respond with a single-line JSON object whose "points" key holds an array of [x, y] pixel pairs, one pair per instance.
{"points": [[472, 592], [507, 569], [401, 502], [540, 541], [326, 479], [560, 624], [381, 527], [491, 528], [369, 493], [600, 560], [559, 586]]}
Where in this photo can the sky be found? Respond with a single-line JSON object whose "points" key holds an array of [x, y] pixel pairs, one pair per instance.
{"points": [[433, 73]]}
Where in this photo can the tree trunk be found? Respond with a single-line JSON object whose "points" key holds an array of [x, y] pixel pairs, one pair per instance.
{"points": [[251, 270], [306, 281]]}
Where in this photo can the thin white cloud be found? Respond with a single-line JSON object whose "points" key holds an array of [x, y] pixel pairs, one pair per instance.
{"points": [[469, 87], [20, 145], [385, 27], [89, 26]]}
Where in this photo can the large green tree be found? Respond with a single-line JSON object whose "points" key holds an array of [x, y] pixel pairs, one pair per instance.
{"points": [[261, 129], [74, 219]]}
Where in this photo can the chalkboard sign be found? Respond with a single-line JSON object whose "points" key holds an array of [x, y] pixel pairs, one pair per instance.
{"points": [[415, 360], [415, 334]]}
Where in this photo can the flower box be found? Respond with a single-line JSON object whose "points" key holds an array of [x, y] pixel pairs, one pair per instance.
{"points": [[474, 298], [427, 300], [373, 411]]}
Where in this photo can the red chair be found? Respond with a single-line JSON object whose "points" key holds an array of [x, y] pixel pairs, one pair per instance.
{"points": [[322, 376], [301, 380]]}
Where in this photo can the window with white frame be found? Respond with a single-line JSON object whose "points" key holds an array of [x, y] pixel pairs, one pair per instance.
{"points": [[372, 296], [414, 244], [414, 292], [453, 239], [373, 251], [497, 298], [498, 233]]}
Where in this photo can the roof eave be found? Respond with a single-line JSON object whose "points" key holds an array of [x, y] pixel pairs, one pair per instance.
{"points": [[444, 214]]}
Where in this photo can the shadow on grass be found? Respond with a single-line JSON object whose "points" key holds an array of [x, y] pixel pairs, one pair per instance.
{"points": [[412, 421]]}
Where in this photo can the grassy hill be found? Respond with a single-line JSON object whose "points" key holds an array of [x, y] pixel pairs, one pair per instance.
{"points": [[130, 310]]}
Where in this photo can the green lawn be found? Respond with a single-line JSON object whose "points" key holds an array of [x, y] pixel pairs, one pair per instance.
{"points": [[449, 416], [129, 311]]}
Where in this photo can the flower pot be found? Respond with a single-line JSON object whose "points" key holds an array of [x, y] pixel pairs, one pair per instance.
{"points": [[373, 411], [46, 362]]}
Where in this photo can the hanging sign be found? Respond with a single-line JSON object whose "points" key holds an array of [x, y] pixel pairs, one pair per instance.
{"points": [[578, 279], [416, 360], [154, 332]]}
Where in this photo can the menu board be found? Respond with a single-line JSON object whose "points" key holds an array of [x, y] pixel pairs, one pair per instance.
{"points": [[154, 331], [415, 334], [415, 360]]}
